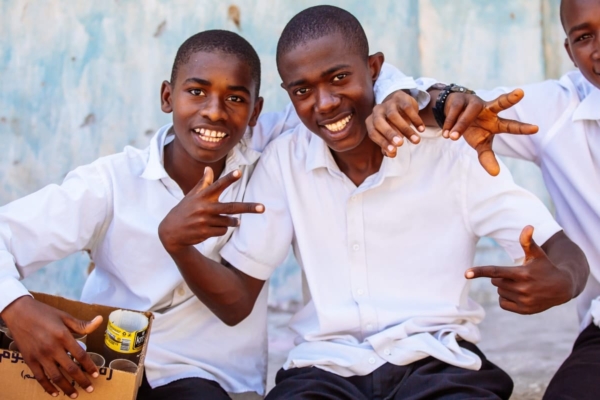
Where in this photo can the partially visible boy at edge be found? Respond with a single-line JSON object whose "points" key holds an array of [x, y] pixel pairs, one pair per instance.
{"points": [[567, 149], [383, 243], [113, 207]]}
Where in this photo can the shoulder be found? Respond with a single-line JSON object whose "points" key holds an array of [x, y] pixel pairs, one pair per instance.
{"points": [[294, 142]]}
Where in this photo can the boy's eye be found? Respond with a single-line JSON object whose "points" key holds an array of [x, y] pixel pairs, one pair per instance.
{"points": [[339, 77], [196, 92], [301, 91], [583, 37], [236, 99]]}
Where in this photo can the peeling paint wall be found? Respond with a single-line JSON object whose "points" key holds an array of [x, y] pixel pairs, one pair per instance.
{"points": [[81, 79]]}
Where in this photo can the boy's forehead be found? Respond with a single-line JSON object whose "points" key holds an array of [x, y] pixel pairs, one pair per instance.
{"points": [[576, 12], [318, 56], [218, 65]]}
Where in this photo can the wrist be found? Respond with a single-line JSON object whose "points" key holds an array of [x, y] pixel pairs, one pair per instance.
{"points": [[17, 307]]}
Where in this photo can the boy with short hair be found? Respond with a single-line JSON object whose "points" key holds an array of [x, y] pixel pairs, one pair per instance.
{"points": [[383, 243], [567, 149]]}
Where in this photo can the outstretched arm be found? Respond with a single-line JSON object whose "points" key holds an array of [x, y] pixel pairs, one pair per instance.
{"points": [[228, 293]]}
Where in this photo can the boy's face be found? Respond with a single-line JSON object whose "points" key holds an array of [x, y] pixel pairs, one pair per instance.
{"points": [[331, 88], [581, 20], [213, 101]]}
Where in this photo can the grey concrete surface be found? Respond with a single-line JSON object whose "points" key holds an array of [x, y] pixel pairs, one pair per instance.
{"points": [[529, 348]]}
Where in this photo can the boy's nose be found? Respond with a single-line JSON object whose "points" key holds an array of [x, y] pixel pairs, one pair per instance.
{"points": [[326, 102], [213, 110]]}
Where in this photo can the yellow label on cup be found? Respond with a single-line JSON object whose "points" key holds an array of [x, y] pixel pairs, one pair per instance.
{"points": [[123, 341]]}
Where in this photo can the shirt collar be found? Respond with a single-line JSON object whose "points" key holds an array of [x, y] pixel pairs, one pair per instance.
{"points": [[240, 156], [589, 108], [319, 156]]}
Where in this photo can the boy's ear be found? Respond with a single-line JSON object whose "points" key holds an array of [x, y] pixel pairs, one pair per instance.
{"points": [[568, 49], [375, 62], [165, 97], [258, 105]]}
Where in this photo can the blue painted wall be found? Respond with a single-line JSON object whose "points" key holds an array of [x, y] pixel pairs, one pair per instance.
{"points": [[81, 79]]}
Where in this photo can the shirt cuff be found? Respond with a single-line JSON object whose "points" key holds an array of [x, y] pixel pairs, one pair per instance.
{"points": [[245, 264], [11, 290]]}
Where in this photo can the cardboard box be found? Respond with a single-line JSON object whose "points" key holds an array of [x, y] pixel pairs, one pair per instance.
{"points": [[18, 383]]}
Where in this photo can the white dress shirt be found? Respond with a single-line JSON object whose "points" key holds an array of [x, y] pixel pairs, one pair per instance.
{"points": [[384, 262], [112, 208], [567, 149]]}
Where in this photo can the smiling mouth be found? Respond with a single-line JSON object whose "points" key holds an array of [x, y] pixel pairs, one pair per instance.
{"points": [[338, 125], [210, 135]]}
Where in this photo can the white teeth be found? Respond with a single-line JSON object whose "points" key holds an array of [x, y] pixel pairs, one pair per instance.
{"points": [[209, 135], [339, 125]]}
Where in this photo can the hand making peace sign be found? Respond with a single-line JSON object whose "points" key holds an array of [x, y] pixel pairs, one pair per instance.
{"points": [[200, 215]]}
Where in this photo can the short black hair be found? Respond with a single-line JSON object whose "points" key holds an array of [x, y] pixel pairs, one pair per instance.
{"points": [[316, 22], [217, 40]]}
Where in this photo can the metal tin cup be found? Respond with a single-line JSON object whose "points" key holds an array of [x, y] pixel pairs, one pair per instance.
{"points": [[125, 335], [97, 359], [8, 338], [13, 347], [122, 364], [79, 337]]}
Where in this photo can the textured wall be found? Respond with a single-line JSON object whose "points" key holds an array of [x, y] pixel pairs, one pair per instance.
{"points": [[81, 79]]}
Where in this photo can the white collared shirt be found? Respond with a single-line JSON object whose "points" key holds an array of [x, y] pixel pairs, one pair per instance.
{"points": [[567, 149], [112, 208], [385, 261]]}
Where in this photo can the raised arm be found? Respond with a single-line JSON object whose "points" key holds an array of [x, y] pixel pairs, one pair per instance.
{"points": [[227, 292]]}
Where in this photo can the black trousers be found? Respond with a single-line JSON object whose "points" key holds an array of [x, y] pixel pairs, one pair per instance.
{"points": [[578, 378], [183, 389], [425, 379]]}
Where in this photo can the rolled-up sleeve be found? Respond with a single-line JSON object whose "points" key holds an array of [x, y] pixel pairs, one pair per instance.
{"points": [[262, 241], [48, 225]]}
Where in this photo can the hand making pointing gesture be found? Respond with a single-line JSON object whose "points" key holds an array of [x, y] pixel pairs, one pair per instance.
{"points": [[466, 115], [533, 287], [200, 215]]}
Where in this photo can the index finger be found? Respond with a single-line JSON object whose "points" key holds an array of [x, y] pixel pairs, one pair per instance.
{"points": [[223, 183], [516, 127], [505, 101], [238, 208], [491, 271]]}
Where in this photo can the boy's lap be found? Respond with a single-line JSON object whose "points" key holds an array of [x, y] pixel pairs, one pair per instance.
{"points": [[425, 379]]}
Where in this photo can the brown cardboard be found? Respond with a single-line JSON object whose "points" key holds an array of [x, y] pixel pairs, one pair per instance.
{"points": [[18, 383]]}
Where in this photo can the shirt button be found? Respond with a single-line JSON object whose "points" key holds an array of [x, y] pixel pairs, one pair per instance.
{"points": [[387, 351], [360, 292], [372, 360], [353, 198], [181, 291], [369, 327], [355, 247]]}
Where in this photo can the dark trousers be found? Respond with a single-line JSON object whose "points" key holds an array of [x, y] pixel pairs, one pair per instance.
{"points": [[578, 378], [183, 389], [425, 379]]}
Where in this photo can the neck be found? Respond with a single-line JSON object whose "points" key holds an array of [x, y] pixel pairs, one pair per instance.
{"points": [[361, 162], [186, 171]]}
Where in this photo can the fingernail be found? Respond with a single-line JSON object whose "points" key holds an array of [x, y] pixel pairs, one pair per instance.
{"points": [[391, 148], [89, 389], [54, 394], [95, 375], [397, 140], [414, 138], [73, 396], [238, 222], [421, 128], [455, 135], [445, 134], [236, 173], [260, 208], [470, 274], [205, 170]]}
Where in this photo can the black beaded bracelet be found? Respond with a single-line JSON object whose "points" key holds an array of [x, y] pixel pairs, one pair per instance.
{"points": [[440, 104]]}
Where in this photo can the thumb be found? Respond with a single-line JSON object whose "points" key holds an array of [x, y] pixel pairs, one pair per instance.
{"points": [[530, 247], [488, 161], [81, 326], [206, 181]]}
